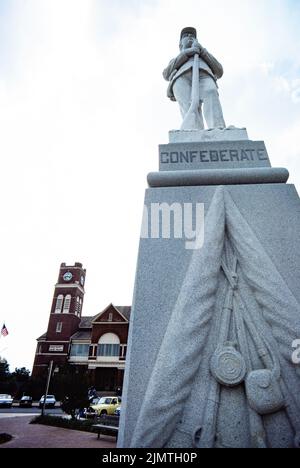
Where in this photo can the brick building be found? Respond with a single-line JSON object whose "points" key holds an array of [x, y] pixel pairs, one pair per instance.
{"points": [[96, 342]]}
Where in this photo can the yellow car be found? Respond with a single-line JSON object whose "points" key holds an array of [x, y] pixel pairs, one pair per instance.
{"points": [[106, 405]]}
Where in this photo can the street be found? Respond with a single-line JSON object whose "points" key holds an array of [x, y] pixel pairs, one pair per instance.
{"points": [[35, 410]]}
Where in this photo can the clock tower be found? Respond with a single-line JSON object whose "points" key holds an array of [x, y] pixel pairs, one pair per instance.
{"points": [[67, 303], [64, 320]]}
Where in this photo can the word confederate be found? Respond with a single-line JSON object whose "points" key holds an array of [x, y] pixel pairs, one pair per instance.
{"points": [[225, 155]]}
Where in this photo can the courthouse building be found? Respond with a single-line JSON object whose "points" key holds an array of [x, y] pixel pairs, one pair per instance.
{"points": [[98, 342]]}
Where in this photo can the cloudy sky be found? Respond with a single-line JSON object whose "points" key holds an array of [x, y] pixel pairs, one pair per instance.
{"points": [[83, 108]]}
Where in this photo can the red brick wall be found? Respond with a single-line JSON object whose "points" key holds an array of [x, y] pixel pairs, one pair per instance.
{"points": [[70, 324], [100, 329], [41, 363]]}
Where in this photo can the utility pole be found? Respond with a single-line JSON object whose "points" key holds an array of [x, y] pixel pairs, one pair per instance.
{"points": [[47, 386]]}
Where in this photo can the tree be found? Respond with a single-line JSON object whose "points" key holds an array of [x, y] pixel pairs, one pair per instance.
{"points": [[21, 374], [71, 384], [21, 378], [7, 384], [35, 387], [4, 370]]}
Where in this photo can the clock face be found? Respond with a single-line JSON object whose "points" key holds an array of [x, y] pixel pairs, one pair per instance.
{"points": [[68, 276], [82, 280]]}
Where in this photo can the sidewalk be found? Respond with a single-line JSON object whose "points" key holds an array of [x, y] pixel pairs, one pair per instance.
{"points": [[27, 435]]}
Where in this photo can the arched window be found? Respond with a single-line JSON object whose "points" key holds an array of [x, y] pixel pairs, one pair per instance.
{"points": [[109, 345], [80, 306], [67, 304], [59, 303]]}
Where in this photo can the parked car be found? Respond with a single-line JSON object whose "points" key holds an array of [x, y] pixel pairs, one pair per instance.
{"points": [[25, 402], [6, 401], [106, 405], [118, 411], [50, 401]]}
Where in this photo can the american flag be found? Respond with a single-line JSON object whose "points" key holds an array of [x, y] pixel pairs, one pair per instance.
{"points": [[4, 331]]}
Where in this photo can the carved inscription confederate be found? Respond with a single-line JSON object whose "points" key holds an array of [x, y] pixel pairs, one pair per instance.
{"points": [[226, 155]]}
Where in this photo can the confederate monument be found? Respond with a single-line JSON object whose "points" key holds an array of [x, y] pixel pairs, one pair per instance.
{"points": [[211, 360]]}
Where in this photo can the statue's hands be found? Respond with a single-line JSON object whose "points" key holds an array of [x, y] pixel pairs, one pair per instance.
{"points": [[185, 55], [198, 46], [196, 49]]}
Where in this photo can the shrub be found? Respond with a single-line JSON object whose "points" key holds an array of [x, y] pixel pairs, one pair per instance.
{"points": [[75, 424], [5, 438], [65, 423]]}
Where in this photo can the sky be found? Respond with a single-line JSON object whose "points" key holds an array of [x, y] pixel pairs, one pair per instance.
{"points": [[83, 109]]}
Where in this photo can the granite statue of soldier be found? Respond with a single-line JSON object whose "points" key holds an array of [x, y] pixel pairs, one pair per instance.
{"points": [[193, 76]]}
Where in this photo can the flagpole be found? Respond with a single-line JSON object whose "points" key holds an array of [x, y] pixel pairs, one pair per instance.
{"points": [[2, 335], [1, 350]]}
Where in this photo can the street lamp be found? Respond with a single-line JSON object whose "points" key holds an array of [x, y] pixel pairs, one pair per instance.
{"points": [[47, 386]]}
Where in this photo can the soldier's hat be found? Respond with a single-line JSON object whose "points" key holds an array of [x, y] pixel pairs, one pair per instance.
{"points": [[188, 30]]}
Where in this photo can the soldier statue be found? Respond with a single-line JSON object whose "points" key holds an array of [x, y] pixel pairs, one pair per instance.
{"points": [[193, 76]]}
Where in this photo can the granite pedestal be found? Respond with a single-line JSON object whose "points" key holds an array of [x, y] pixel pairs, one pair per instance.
{"points": [[171, 397]]}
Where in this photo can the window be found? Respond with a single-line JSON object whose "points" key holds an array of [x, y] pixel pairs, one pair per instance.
{"points": [[104, 401], [109, 345], [80, 350], [67, 304], [80, 305], [59, 327], [77, 307], [108, 349], [59, 302], [110, 317]]}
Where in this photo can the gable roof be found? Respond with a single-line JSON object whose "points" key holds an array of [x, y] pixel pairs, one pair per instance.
{"points": [[124, 311], [87, 322]]}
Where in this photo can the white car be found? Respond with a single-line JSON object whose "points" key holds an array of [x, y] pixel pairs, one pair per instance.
{"points": [[50, 401], [6, 400]]}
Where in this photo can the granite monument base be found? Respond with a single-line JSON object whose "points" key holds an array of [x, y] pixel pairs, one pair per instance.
{"points": [[210, 352]]}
